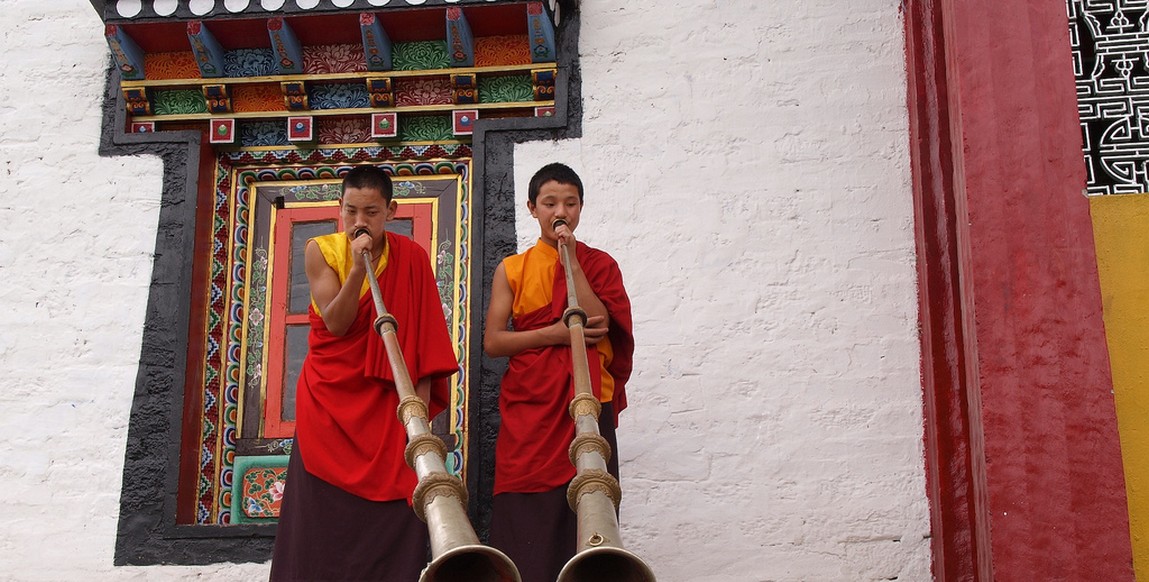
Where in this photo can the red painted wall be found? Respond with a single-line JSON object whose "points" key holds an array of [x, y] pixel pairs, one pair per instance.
{"points": [[955, 503], [1024, 461]]}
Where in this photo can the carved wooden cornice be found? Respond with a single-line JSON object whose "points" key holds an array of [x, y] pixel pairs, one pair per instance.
{"points": [[213, 65]]}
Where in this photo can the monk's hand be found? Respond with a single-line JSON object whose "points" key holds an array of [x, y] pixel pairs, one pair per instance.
{"points": [[563, 232], [361, 244], [595, 329], [557, 334], [565, 236]]}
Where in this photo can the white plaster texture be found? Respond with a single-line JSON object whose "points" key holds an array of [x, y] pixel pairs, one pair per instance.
{"points": [[76, 242], [746, 162]]}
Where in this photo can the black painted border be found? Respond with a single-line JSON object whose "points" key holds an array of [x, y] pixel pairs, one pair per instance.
{"points": [[107, 9]]}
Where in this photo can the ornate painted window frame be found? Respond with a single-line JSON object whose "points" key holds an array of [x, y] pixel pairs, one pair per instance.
{"points": [[148, 531]]}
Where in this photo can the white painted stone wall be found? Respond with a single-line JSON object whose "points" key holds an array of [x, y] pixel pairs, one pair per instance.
{"points": [[746, 162]]}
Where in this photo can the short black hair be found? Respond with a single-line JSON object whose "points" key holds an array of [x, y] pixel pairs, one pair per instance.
{"points": [[555, 172], [368, 177]]}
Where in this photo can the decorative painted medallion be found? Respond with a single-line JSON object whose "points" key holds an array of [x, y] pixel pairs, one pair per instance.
{"points": [[1112, 70]]}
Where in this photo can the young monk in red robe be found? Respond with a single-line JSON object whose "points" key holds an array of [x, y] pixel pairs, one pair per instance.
{"points": [[531, 521], [345, 512]]}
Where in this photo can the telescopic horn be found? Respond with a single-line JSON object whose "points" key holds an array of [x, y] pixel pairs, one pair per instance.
{"points": [[594, 494], [440, 498]]}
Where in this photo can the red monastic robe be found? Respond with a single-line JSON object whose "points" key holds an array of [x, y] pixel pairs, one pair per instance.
{"points": [[538, 386], [346, 399]]}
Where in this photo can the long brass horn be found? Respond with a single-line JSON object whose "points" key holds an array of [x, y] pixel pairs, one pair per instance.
{"points": [[594, 494], [440, 498]]}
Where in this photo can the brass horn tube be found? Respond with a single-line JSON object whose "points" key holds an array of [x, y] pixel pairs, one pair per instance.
{"points": [[440, 498], [594, 494]]}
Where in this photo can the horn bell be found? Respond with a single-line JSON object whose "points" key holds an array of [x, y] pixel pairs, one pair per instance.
{"points": [[606, 564], [471, 563]]}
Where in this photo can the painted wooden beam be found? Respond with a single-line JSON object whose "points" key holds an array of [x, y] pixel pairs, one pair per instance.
{"points": [[460, 43], [376, 43], [129, 57], [288, 51], [541, 32], [206, 49]]}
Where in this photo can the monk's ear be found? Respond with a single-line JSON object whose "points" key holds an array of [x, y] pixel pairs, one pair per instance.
{"points": [[531, 207], [391, 208]]}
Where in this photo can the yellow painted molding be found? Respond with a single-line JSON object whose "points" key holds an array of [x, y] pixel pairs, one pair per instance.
{"points": [[1121, 236]]}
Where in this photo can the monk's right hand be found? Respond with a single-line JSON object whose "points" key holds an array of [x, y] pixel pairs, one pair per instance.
{"points": [[564, 234], [359, 245]]}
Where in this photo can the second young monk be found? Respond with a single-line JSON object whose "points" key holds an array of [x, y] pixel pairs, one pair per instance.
{"points": [[531, 520]]}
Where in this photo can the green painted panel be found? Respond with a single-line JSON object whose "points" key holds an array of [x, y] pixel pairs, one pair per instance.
{"points": [[179, 102], [426, 128], [419, 56], [506, 89]]}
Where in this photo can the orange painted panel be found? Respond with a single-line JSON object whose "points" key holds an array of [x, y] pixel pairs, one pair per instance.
{"points": [[170, 66], [248, 98], [502, 50]]}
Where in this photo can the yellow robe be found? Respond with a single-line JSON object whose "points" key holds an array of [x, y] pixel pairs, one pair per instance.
{"points": [[336, 249]]}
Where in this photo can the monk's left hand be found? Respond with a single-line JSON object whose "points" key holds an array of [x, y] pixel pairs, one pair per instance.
{"points": [[595, 329]]}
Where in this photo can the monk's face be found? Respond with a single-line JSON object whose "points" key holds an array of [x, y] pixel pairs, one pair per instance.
{"points": [[556, 201], [366, 208]]}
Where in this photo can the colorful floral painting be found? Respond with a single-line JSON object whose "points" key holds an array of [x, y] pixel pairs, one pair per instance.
{"points": [[263, 492], [425, 91], [179, 102], [170, 66], [420, 56], [339, 131], [493, 51], [257, 492], [257, 97], [249, 63], [338, 96], [334, 58]]}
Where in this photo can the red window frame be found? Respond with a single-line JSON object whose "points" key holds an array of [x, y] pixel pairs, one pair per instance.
{"points": [[422, 230]]}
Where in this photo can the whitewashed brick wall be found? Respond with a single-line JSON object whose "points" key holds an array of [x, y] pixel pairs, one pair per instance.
{"points": [[746, 162]]}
